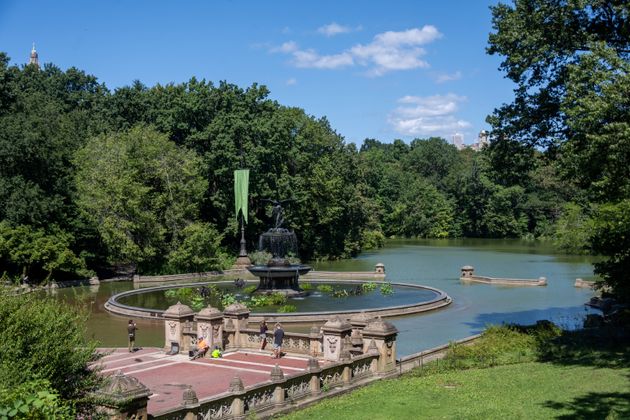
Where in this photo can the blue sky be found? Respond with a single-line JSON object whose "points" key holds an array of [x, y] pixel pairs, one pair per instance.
{"points": [[377, 69]]}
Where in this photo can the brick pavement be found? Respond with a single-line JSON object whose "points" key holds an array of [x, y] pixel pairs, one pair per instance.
{"points": [[168, 376]]}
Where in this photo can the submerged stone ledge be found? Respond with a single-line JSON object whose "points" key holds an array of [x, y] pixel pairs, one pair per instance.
{"points": [[468, 275]]}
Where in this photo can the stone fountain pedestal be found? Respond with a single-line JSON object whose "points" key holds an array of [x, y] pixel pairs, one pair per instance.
{"points": [[279, 278]]}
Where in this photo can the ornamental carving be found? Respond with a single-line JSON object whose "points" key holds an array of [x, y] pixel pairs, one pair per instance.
{"points": [[361, 369], [217, 412], [172, 326], [389, 345], [299, 389], [332, 379], [260, 400], [332, 343], [215, 331], [204, 330]]}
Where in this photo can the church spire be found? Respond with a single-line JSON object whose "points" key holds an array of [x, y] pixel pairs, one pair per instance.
{"points": [[34, 57]]}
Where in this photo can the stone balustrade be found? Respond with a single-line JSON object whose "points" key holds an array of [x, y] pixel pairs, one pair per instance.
{"points": [[352, 352], [281, 393]]}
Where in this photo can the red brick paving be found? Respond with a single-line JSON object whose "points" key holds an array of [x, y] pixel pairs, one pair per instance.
{"points": [[168, 376]]}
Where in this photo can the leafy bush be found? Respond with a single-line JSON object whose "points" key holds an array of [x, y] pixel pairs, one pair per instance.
{"points": [[260, 257], [45, 341], [341, 293], [250, 289], [368, 287], [33, 400], [325, 288], [227, 299], [306, 286], [387, 289], [287, 309]]}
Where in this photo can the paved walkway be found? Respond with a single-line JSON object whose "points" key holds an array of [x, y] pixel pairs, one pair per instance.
{"points": [[168, 376]]}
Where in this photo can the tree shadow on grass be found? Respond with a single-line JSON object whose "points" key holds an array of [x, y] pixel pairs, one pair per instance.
{"points": [[595, 405], [605, 346]]}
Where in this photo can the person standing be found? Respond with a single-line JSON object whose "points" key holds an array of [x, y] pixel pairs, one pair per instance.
{"points": [[278, 335], [131, 331], [263, 334]]}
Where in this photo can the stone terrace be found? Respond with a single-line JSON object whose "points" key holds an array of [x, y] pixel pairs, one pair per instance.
{"points": [[168, 376]]}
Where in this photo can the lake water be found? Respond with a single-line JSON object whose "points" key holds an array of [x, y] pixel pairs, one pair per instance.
{"points": [[434, 263]]}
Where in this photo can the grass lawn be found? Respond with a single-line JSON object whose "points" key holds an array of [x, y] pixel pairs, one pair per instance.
{"points": [[520, 391]]}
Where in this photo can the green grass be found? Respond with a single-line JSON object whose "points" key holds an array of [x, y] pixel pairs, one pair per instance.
{"points": [[512, 372], [520, 391]]}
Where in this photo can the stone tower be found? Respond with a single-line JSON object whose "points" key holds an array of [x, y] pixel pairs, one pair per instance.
{"points": [[34, 59]]}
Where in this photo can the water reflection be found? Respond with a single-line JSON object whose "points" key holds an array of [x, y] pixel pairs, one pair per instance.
{"points": [[433, 263]]}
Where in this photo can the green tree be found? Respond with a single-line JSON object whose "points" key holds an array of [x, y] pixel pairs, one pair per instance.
{"points": [[140, 191], [199, 249], [38, 253], [43, 345], [539, 40], [611, 225]]}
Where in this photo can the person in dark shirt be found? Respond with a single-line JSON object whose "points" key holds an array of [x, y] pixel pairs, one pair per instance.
{"points": [[263, 334], [131, 331], [278, 335]]}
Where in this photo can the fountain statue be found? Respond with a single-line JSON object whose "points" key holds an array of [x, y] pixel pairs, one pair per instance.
{"points": [[278, 275]]}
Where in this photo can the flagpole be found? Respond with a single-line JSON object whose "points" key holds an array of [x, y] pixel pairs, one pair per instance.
{"points": [[243, 251]]}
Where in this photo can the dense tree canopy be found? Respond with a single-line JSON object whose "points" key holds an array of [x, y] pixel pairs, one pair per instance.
{"points": [[143, 175], [570, 61]]}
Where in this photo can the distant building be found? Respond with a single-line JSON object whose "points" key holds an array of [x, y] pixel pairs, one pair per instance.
{"points": [[483, 140], [458, 141], [34, 59]]}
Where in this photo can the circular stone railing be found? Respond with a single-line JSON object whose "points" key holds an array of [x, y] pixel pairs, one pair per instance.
{"points": [[440, 301]]}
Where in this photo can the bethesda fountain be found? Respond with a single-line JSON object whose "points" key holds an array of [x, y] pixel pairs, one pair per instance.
{"points": [[279, 275]]}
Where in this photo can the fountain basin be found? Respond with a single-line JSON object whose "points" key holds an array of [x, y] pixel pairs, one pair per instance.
{"points": [[279, 278], [407, 299]]}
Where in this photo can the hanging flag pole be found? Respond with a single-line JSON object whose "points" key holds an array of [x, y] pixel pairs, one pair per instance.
{"points": [[241, 187]]}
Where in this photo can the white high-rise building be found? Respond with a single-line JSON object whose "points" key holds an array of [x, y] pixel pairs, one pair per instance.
{"points": [[458, 141]]}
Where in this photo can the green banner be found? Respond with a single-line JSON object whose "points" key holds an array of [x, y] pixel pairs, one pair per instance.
{"points": [[241, 185]]}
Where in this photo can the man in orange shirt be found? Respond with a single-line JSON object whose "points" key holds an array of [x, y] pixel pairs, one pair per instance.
{"points": [[202, 348]]}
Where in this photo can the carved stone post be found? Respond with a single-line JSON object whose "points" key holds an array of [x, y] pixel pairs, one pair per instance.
{"points": [[383, 334], [239, 315], [358, 322], [123, 397], [176, 320], [467, 272], [335, 331], [191, 403], [314, 369], [210, 325], [238, 404], [315, 341], [277, 377]]}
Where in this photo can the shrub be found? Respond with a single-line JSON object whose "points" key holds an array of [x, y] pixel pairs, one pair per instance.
{"points": [[325, 288], [306, 286], [250, 289], [45, 341], [368, 287], [260, 257], [287, 309], [387, 289]]}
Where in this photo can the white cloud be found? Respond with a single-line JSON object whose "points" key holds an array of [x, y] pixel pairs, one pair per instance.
{"points": [[333, 29], [388, 51], [311, 59], [445, 77], [287, 47], [291, 82], [428, 115]]}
